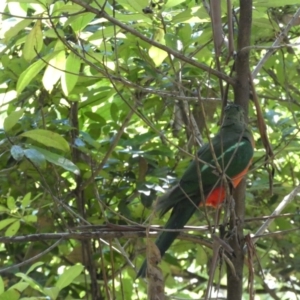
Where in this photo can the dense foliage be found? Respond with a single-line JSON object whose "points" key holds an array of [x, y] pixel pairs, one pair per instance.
{"points": [[97, 121]]}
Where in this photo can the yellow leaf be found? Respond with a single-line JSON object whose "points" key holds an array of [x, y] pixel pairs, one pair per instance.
{"points": [[55, 68], [155, 53]]}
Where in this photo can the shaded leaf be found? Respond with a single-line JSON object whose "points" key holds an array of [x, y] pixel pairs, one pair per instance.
{"points": [[59, 161], [17, 152], [36, 158]]}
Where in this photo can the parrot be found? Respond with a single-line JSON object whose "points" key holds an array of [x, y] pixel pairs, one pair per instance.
{"points": [[203, 181]]}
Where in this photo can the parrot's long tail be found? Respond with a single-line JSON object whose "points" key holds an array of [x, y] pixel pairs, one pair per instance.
{"points": [[180, 215]]}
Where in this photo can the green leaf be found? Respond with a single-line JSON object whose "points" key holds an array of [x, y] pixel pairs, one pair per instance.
{"points": [[34, 42], [274, 3], [81, 21], [59, 161], [10, 295], [17, 152], [30, 281], [4, 209], [6, 222], [114, 112], [51, 292], [12, 229], [71, 74], [29, 74], [11, 204], [11, 120], [30, 218], [26, 200], [158, 55], [47, 138], [136, 5], [1, 286], [36, 157], [68, 276], [191, 15], [34, 266], [60, 8], [171, 3], [13, 31], [20, 286], [15, 7], [55, 67]]}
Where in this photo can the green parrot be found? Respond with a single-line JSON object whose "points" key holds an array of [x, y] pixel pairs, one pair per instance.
{"points": [[203, 182]]}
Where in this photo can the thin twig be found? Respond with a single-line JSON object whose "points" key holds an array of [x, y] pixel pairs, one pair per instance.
{"points": [[32, 259]]}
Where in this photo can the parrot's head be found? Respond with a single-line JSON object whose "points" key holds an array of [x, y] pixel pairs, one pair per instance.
{"points": [[233, 114]]}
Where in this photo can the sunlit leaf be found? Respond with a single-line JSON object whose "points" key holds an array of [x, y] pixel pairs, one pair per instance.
{"points": [[79, 22], [4, 223], [12, 229], [55, 67], [13, 31], [4, 209], [34, 42], [26, 199], [171, 3], [31, 72], [10, 295], [34, 266], [158, 55], [51, 292], [12, 119], [30, 281], [11, 203], [30, 219], [47, 138], [68, 276], [71, 74], [1, 286]]}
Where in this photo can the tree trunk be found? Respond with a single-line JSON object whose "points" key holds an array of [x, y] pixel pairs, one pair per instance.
{"points": [[241, 97]]}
